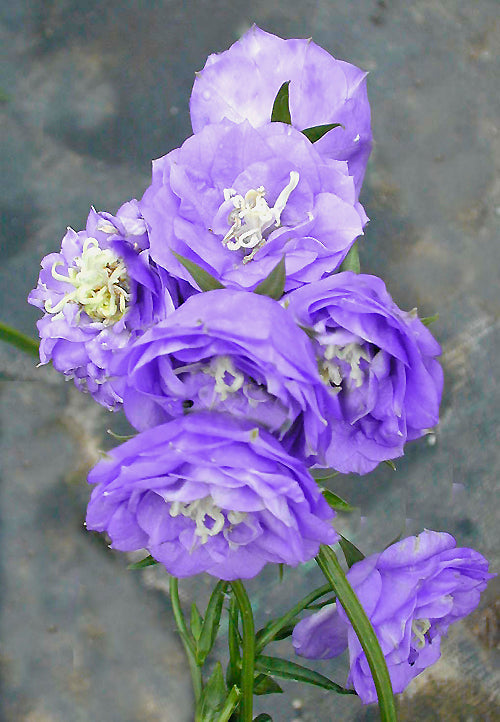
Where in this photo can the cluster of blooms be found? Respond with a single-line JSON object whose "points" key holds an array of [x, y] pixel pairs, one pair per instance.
{"points": [[235, 394]]}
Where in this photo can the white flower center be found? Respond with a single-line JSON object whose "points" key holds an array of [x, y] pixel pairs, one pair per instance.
{"points": [[252, 216], [222, 369], [420, 627], [100, 282], [351, 353], [205, 510]]}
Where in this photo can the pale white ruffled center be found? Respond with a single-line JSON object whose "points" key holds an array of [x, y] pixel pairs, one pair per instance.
{"points": [[331, 370], [208, 517], [252, 216], [100, 284]]}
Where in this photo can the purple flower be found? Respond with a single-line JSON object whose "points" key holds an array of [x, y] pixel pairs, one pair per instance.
{"points": [[242, 82], [232, 351], [209, 493], [382, 384], [235, 200], [99, 293], [411, 593]]}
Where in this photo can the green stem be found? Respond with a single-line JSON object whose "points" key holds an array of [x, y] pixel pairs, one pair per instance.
{"points": [[186, 638], [269, 635], [330, 566], [248, 656], [18, 339]]}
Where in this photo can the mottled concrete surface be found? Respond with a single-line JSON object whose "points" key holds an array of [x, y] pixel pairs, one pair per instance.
{"points": [[90, 93]]}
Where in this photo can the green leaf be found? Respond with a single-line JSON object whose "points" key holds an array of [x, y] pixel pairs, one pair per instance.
{"points": [[323, 474], [212, 621], [390, 463], [264, 684], [335, 501], [351, 261], [274, 285], [147, 562], [281, 572], [290, 670], [203, 278], [19, 340], [427, 320], [213, 696], [318, 131], [329, 565], [263, 717], [281, 106], [351, 553], [196, 622], [234, 640]]}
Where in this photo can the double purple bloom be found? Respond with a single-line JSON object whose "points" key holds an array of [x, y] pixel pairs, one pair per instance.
{"points": [[242, 82], [411, 593], [235, 199], [99, 293], [382, 383], [209, 493]]}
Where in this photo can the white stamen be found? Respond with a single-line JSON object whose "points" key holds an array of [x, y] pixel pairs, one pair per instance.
{"points": [[100, 281], [351, 353], [218, 368], [252, 216], [420, 627], [200, 509]]}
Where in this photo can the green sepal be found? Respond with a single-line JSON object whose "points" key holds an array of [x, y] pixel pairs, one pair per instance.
{"points": [[335, 502], [281, 572], [263, 717], [212, 621], [120, 437], [281, 633], [281, 106], [390, 463], [213, 696], [263, 684], [290, 670], [318, 131], [351, 261], [203, 278], [147, 562], [351, 553], [323, 474], [274, 284], [195, 622], [427, 320], [19, 340], [394, 541]]}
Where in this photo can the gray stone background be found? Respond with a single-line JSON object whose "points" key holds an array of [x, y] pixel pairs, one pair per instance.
{"points": [[90, 93]]}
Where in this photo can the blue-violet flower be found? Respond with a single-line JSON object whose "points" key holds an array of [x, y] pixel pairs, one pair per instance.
{"points": [[382, 382], [411, 593], [241, 84], [209, 493]]}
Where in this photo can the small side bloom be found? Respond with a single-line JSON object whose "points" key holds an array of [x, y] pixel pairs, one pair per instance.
{"points": [[231, 351], [412, 592], [99, 292], [235, 199], [241, 84], [209, 493], [382, 383]]}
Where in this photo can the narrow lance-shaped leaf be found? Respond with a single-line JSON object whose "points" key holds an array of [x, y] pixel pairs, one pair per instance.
{"points": [[147, 562], [290, 670], [263, 684], [18, 339], [351, 261], [213, 695], [281, 106], [323, 474], [318, 131], [335, 501], [203, 278], [274, 285], [427, 320], [351, 553], [212, 621], [196, 622]]}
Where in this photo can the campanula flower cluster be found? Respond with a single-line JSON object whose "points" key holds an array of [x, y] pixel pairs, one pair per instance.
{"points": [[170, 311]]}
